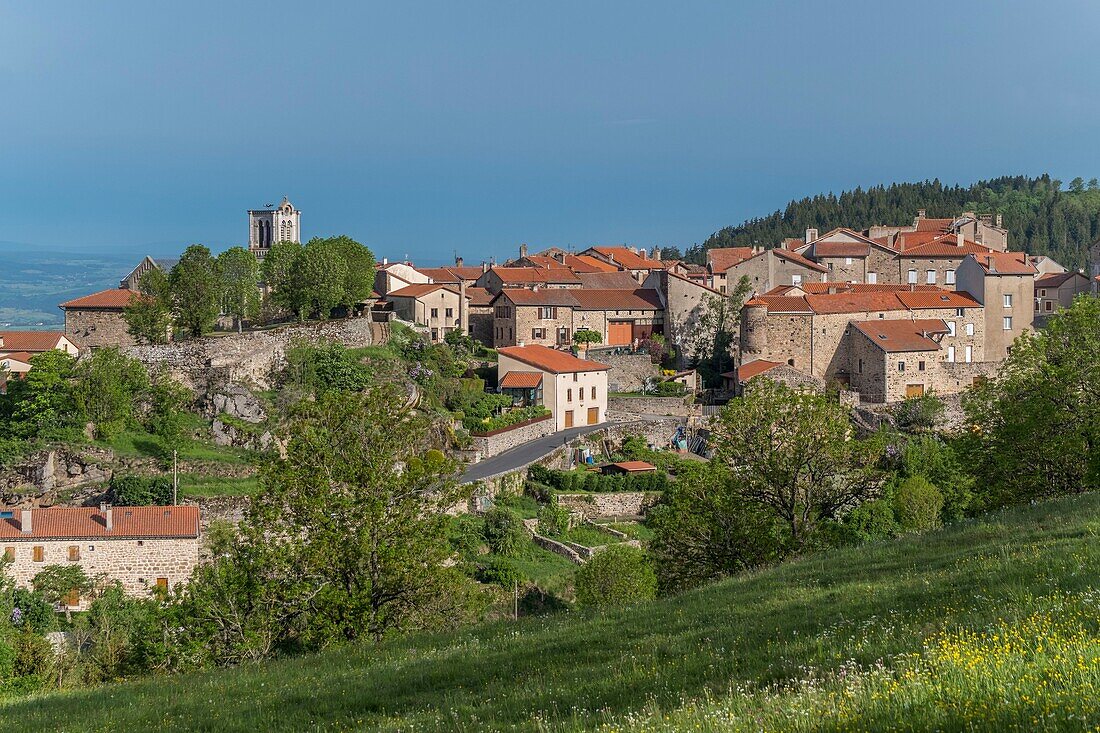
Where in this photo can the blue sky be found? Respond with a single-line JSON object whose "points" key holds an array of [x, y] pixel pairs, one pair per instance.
{"points": [[422, 128]]}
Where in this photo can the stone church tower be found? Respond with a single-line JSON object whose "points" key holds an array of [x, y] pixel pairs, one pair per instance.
{"points": [[267, 226]]}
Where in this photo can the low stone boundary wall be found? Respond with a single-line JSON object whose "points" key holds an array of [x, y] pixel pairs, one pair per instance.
{"points": [[610, 504], [499, 441], [628, 372], [628, 407]]}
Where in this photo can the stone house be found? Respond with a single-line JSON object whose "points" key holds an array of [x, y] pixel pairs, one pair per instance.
{"points": [[813, 332], [721, 259], [851, 256], [433, 305], [35, 342], [133, 280], [1004, 283], [141, 547], [1057, 290], [774, 267], [685, 302], [96, 320], [390, 276], [573, 389], [496, 279], [550, 317], [983, 229], [935, 261], [738, 380], [637, 262]]}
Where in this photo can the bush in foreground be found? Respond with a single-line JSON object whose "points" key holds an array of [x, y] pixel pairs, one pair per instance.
{"points": [[618, 576]]}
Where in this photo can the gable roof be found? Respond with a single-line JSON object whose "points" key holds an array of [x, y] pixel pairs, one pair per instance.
{"points": [[837, 249], [30, 340], [628, 259], [830, 287], [479, 296], [1004, 263], [451, 273], [796, 258], [925, 224], [866, 301], [586, 299], [521, 380], [90, 522], [111, 299], [924, 299], [903, 335], [1050, 280], [420, 289], [745, 372], [533, 275], [941, 245], [588, 263], [614, 280], [550, 360], [721, 259], [20, 357]]}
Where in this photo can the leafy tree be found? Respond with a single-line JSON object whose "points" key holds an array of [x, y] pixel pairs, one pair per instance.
{"points": [[716, 330], [326, 368], [359, 280], [108, 385], [671, 253], [504, 532], [919, 414], [42, 404], [1035, 428], [584, 337], [278, 274], [704, 530], [57, 583], [792, 452], [149, 315], [240, 284], [617, 576], [553, 520], [141, 490], [123, 633], [195, 287], [319, 278], [167, 418], [359, 504], [917, 504]]}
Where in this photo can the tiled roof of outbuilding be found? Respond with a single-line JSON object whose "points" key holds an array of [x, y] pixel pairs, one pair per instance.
{"points": [[90, 522]]}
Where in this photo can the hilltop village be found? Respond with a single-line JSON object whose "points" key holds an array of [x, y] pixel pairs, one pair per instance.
{"points": [[561, 392]]}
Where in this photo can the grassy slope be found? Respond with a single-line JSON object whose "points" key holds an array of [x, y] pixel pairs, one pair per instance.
{"points": [[676, 656]]}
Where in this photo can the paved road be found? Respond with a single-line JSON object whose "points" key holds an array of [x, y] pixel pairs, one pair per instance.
{"points": [[524, 454]]}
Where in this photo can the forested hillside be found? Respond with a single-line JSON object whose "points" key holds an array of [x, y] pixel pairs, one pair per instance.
{"points": [[1041, 217]]}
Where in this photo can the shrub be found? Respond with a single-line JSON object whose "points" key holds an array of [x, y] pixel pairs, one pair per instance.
{"points": [[917, 504], [141, 490], [919, 414], [617, 576], [504, 532], [868, 522], [496, 422], [553, 520], [500, 571]]}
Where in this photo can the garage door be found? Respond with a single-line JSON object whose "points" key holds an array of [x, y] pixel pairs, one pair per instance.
{"points": [[593, 415], [914, 390], [619, 333]]}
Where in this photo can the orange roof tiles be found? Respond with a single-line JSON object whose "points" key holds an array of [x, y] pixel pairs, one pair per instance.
{"points": [[854, 302], [635, 466], [1051, 280], [585, 299], [587, 263], [823, 288], [944, 245], [628, 259], [451, 273], [91, 523], [420, 289], [933, 225], [521, 380], [550, 360], [924, 299], [534, 275], [721, 259], [782, 303], [479, 296], [838, 249], [1005, 263], [901, 335], [114, 298], [29, 340], [787, 254], [615, 280], [866, 300], [745, 372]]}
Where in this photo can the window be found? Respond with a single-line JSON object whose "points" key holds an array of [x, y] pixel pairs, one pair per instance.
{"points": [[722, 289], [449, 313], [930, 277], [162, 583], [1050, 305], [547, 313], [872, 278], [950, 328], [435, 313], [960, 312], [912, 277], [435, 334], [970, 329], [951, 353], [796, 279], [968, 355], [1008, 323], [74, 553], [859, 367], [9, 553], [920, 366], [1043, 293], [901, 366], [949, 277], [593, 391], [569, 394], [575, 376], [39, 553], [1008, 300], [847, 260], [538, 333], [563, 335]]}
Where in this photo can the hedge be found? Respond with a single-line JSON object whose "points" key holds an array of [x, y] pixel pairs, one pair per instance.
{"points": [[598, 483]]}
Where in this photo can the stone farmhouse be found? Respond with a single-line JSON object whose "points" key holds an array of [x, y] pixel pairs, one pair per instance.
{"points": [[574, 389], [441, 308], [96, 320], [141, 547], [550, 317], [1056, 290]]}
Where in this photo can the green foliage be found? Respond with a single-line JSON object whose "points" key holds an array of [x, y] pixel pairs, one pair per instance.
{"points": [[42, 405], [167, 417], [1035, 428], [359, 281], [586, 336], [592, 481], [35, 612], [512, 417], [917, 504], [716, 329], [141, 490], [499, 571], [323, 275], [671, 389], [553, 520], [620, 575], [325, 369], [239, 293], [871, 521], [504, 532], [107, 387], [149, 317], [56, 582], [938, 462], [319, 278], [919, 414], [277, 271], [792, 453], [195, 287], [1040, 218]]}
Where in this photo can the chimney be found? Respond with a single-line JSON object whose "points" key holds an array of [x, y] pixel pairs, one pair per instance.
{"points": [[657, 253], [463, 307], [25, 521], [458, 261], [998, 221], [484, 266], [811, 235], [921, 213], [109, 515], [385, 261], [523, 250], [560, 257]]}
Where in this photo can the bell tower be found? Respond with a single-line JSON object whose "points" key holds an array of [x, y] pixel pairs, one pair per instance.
{"points": [[273, 224]]}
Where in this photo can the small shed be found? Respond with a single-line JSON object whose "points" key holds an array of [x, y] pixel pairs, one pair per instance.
{"points": [[628, 467]]}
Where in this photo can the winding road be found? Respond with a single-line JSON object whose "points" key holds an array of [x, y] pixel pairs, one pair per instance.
{"points": [[524, 454]]}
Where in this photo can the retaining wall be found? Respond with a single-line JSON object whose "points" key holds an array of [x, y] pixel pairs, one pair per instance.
{"points": [[610, 504], [513, 436]]}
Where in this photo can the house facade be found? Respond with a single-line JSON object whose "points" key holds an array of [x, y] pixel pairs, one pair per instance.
{"points": [[572, 388], [435, 306], [1056, 291], [1004, 283], [550, 317], [96, 320]]}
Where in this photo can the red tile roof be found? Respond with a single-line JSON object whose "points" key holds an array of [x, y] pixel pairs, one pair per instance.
{"points": [[933, 225], [521, 380], [635, 466], [782, 303], [721, 259], [838, 249], [790, 256], [745, 372], [545, 261], [823, 288], [479, 296], [21, 356], [866, 300], [451, 273], [944, 245], [588, 263], [91, 523], [1051, 280], [550, 360], [924, 299], [1005, 263], [29, 340], [901, 335], [534, 275], [615, 280], [630, 260], [854, 302], [113, 299], [585, 299], [420, 289]]}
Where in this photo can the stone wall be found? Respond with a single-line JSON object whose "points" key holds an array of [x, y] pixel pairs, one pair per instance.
{"points": [[137, 564], [621, 408], [628, 372], [610, 504], [251, 358], [491, 445], [93, 328]]}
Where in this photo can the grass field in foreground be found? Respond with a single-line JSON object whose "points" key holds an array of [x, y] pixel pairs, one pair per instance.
{"points": [[991, 624]]}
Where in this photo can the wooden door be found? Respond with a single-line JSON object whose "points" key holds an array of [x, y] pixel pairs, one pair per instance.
{"points": [[568, 418], [914, 390], [619, 333], [593, 415], [72, 598]]}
